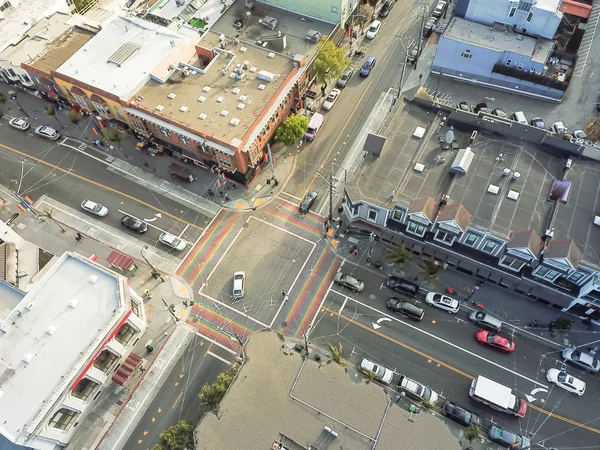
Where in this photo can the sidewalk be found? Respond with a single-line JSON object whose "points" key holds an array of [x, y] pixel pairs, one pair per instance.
{"points": [[153, 169]]}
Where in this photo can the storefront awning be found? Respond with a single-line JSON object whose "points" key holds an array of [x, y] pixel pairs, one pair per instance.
{"points": [[120, 260], [126, 369]]}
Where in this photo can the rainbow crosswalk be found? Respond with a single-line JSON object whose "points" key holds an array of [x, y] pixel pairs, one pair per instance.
{"points": [[228, 327]]}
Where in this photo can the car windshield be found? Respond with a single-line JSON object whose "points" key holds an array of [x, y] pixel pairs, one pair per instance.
{"points": [[576, 355], [310, 130], [237, 291], [426, 394], [373, 28], [345, 76], [174, 240], [96, 207], [137, 223], [331, 97], [480, 316]]}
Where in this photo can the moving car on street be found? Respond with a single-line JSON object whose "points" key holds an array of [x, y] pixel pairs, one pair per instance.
{"points": [[508, 439], [495, 340], [461, 415], [417, 390], [583, 360], [348, 281], [403, 286], [94, 208], [330, 100], [239, 281], [485, 320], [19, 124], [386, 8], [377, 371], [404, 308], [47, 132], [308, 201], [443, 302], [565, 381], [497, 396], [439, 8], [365, 71], [373, 29], [134, 224], [172, 241]]}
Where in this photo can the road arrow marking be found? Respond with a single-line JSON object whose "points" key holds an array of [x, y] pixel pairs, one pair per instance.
{"points": [[377, 325], [156, 216], [531, 398]]}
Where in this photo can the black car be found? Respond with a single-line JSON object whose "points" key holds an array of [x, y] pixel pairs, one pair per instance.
{"points": [[404, 308], [386, 8], [464, 106], [482, 107], [134, 224], [429, 25], [308, 202], [461, 415], [403, 286]]}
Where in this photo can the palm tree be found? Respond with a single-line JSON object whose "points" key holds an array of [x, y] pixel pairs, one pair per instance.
{"points": [[336, 354], [74, 117], [2, 98], [49, 214], [399, 255], [431, 269], [472, 433], [52, 113]]}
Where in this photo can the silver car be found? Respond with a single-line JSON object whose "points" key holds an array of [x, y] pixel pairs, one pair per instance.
{"points": [[47, 132], [348, 281], [94, 208], [583, 360], [239, 282], [172, 241]]}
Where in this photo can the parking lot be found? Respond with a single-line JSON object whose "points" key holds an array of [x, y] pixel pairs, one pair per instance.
{"points": [[272, 259]]}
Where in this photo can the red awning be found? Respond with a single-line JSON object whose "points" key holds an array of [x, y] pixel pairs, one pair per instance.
{"points": [[120, 260], [126, 369], [576, 8]]}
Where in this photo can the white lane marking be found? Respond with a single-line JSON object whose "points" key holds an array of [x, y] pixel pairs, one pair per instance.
{"points": [[290, 195], [141, 180], [241, 313], [149, 224], [212, 341], [284, 230], [184, 230], [219, 358], [221, 258], [449, 343], [343, 305]]}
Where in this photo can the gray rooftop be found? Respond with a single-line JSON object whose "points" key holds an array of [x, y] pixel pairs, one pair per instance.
{"points": [[56, 327], [258, 410], [292, 25], [496, 213], [10, 297], [499, 38]]}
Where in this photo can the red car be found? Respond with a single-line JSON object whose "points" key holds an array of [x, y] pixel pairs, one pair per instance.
{"points": [[495, 340]]}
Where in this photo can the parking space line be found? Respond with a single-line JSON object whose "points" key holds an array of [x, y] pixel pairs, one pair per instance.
{"points": [[434, 337], [283, 229], [241, 313], [184, 230], [212, 341], [343, 305], [290, 195], [218, 357]]}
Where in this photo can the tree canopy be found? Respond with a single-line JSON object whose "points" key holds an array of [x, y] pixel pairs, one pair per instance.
{"points": [[212, 394], [331, 61], [292, 129], [178, 437]]}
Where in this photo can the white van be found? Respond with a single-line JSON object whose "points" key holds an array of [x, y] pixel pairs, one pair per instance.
{"points": [[519, 116], [497, 396], [314, 125]]}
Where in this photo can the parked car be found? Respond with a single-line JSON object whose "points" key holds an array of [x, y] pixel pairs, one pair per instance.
{"points": [[565, 381], [172, 241], [495, 340], [519, 116], [369, 64], [500, 113], [559, 127], [308, 201], [439, 8], [373, 29], [538, 122], [443, 302], [377, 371], [386, 8], [485, 320], [429, 25], [413, 54], [19, 124], [461, 415], [583, 360], [464, 106], [579, 134], [331, 98], [403, 286], [482, 107], [417, 390], [348, 281], [405, 308], [94, 208], [345, 78], [134, 224], [239, 282], [508, 439], [47, 132]]}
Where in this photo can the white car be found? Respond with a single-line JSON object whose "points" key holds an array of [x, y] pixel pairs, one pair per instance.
{"points": [[333, 96], [559, 127], [417, 390], [439, 8], [442, 301], [349, 281], [47, 132], [19, 124], [583, 360], [94, 208], [373, 29], [239, 281], [378, 372], [565, 381], [172, 241]]}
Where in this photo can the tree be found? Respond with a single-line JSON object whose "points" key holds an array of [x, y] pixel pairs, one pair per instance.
{"points": [[336, 352], [52, 113], [399, 256], [83, 4], [331, 61], [178, 437], [562, 324], [2, 98], [212, 394], [292, 129], [74, 117], [431, 269], [112, 134], [472, 433], [49, 214]]}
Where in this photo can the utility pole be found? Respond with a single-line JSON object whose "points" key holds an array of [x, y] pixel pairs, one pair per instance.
{"points": [[407, 47], [155, 273], [331, 192], [271, 163], [171, 309], [424, 7]]}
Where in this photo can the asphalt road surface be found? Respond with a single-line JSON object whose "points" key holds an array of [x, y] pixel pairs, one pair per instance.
{"points": [[178, 399], [441, 351]]}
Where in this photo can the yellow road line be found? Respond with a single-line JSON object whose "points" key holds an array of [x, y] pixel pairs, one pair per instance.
{"points": [[108, 188], [452, 368]]}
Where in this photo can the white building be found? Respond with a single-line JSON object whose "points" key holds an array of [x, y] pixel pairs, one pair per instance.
{"points": [[59, 347]]}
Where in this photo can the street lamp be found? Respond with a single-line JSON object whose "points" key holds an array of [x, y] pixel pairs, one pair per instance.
{"points": [[155, 273]]}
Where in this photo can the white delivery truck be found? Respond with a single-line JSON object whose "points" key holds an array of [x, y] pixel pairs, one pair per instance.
{"points": [[497, 396]]}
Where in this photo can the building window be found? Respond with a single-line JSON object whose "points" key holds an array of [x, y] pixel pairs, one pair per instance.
{"points": [[63, 418], [576, 277], [118, 111], [138, 126], [85, 389], [520, 66], [80, 101], [471, 240], [511, 263], [508, 62], [490, 247], [12, 73], [334, 9], [524, 5], [446, 238], [125, 334], [372, 215], [4, 6], [25, 78], [355, 210], [183, 139], [164, 131], [254, 154], [99, 109], [416, 228], [136, 308], [512, 12], [105, 360], [398, 215], [466, 54], [67, 91], [529, 17], [546, 273], [224, 161]]}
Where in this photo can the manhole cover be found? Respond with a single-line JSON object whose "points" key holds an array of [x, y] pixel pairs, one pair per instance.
{"points": [[284, 324], [246, 225], [372, 296]]}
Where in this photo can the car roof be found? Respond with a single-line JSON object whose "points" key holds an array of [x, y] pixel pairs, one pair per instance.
{"points": [[370, 59], [376, 22], [168, 237]]}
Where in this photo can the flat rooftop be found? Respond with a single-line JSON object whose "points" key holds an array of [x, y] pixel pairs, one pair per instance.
{"points": [[538, 168], [548, 5], [258, 410], [168, 9], [499, 38], [124, 54], [292, 25], [223, 100], [65, 314], [10, 297], [61, 51]]}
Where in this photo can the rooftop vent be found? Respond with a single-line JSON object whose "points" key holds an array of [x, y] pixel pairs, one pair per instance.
{"points": [[93, 279], [271, 55], [243, 98], [184, 109], [253, 69], [236, 91], [73, 303], [266, 76], [243, 49], [28, 357], [513, 195], [201, 99], [51, 329], [202, 116], [224, 113], [220, 100], [30, 306], [235, 122], [241, 106], [159, 108], [261, 87], [206, 89], [172, 96]]}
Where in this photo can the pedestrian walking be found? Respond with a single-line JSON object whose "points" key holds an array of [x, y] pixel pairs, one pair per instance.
{"points": [[283, 293], [78, 236], [323, 90], [420, 77]]}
